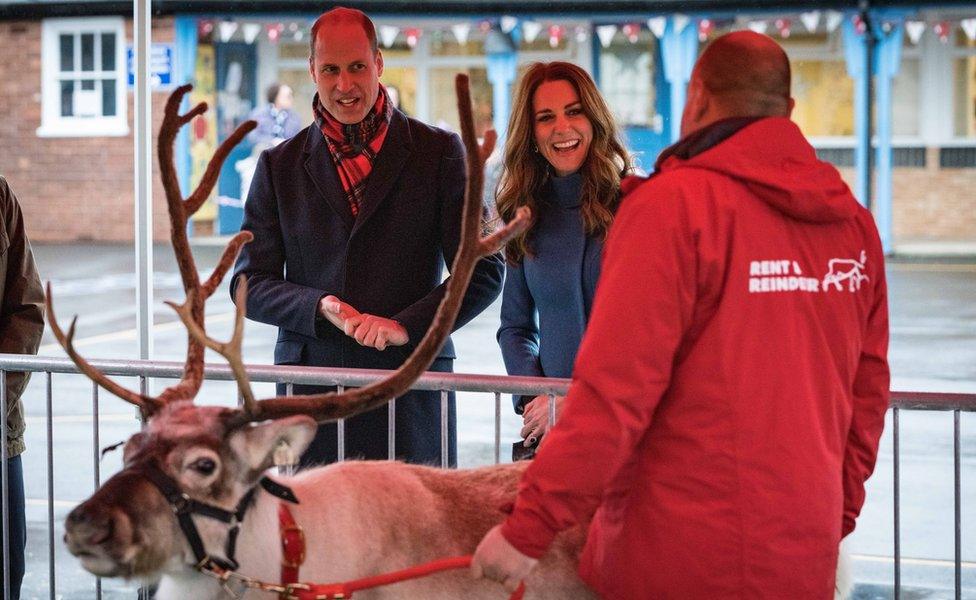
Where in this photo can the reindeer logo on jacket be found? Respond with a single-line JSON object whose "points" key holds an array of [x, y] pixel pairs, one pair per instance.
{"points": [[845, 269]]}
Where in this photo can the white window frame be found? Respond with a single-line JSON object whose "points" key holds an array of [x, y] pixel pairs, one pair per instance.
{"points": [[53, 124]]}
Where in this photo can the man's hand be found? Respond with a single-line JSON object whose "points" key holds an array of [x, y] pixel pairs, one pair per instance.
{"points": [[535, 418], [368, 330], [375, 332], [497, 560], [336, 311]]}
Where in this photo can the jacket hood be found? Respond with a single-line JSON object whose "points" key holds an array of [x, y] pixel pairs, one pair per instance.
{"points": [[773, 159]]}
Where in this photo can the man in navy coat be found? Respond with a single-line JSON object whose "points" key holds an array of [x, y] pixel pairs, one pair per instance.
{"points": [[354, 219]]}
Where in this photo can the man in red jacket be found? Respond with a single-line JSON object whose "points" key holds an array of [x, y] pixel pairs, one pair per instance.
{"points": [[730, 391]]}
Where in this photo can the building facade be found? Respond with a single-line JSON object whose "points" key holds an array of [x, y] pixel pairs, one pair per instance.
{"points": [[67, 148]]}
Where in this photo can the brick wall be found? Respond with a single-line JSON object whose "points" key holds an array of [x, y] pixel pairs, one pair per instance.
{"points": [[70, 188], [931, 203]]}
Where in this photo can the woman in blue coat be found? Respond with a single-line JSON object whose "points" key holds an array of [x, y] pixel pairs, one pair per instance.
{"points": [[563, 160]]}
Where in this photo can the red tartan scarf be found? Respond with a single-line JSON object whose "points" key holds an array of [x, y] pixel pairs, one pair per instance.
{"points": [[354, 147]]}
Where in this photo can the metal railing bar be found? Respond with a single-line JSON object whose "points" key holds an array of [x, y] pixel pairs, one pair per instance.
{"points": [[95, 460], [4, 485], [445, 455], [897, 500], [498, 427], [52, 586], [391, 429], [957, 481], [430, 381], [341, 432]]}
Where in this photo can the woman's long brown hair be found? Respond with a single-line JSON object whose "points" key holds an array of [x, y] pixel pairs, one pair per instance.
{"points": [[526, 170]]}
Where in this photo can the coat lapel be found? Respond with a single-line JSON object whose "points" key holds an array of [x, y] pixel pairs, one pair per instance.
{"points": [[322, 171], [386, 168]]}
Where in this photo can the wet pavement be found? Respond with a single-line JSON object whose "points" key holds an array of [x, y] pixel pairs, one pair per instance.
{"points": [[933, 326]]}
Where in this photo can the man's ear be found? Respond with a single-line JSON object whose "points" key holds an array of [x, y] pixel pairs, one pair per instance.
{"points": [[790, 105], [255, 444], [311, 68], [379, 63]]}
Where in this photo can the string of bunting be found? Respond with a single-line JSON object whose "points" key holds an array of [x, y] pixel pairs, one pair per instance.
{"points": [[527, 31]]}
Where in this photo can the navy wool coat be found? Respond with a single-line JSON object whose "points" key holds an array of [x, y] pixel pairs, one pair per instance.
{"points": [[387, 261]]}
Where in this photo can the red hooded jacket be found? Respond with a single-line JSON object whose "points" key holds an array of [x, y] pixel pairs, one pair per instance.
{"points": [[730, 391]]}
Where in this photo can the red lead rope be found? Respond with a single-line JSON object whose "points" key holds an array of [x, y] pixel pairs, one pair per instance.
{"points": [[293, 547]]}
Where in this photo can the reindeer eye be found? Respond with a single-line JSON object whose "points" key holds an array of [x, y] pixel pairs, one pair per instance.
{"points": [[204, 466]]}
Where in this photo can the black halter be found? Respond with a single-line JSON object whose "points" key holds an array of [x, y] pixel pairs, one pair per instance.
{"points": [[184, 507]]}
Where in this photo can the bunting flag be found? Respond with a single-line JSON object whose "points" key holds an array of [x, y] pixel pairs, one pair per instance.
{"points": [[531, 30], [632, 31], [657, 26], [555, 35], [484, 26], [833, 20], [606, 33], [227, 29], [413, 36], [784, 26], [388, 35], [942, 29], [810, 20], [581, 34], [508, 23], [705, 27], [914, 30], [274, 32], [680, 22], [859, 25], [758, 26], [251, 31], [969, 27], [461, 32], [205, 28]]}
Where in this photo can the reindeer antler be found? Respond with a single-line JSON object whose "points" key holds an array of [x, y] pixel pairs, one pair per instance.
{"points": [[332, 406], [180, 210]]}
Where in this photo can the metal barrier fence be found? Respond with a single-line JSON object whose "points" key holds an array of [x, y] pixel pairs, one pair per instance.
{"points": [[442, 382]]}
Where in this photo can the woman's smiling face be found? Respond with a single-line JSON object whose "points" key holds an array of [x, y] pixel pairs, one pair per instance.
{"points": [[563, 132]]}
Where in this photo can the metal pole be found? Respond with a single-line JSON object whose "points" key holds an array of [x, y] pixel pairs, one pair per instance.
{"points": [[957, 479], [897, 500], [498, 427], [142, 32], [870, 41], [50, 487], [444, 426], [4, 485]]}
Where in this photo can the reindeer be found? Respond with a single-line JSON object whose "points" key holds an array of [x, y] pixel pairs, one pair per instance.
{"points": [[840, 269], [193, 507]]}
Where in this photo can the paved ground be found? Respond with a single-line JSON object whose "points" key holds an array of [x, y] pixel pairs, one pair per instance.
{"points": [[933, 348]]}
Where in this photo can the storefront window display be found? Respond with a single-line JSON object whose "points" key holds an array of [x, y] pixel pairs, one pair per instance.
{"points": [[964, 83]]}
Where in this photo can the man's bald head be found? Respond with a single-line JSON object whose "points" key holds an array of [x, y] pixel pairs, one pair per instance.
{"points": [[341, 15], [740, 74]]}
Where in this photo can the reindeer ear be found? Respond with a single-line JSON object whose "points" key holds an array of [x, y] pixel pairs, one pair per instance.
{"points": [[255, 444]]}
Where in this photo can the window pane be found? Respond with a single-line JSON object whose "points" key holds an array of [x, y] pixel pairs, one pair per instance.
{"points": [[88, 52], [88, 85], [965, 101], [627, 79], [108, 97], [108, 51], [905, 98], [444, 103], [67, 98], [67, 45], [824, 97]]}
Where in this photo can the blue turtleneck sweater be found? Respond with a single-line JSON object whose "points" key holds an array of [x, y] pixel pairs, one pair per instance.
{"points": [[547, 297]]}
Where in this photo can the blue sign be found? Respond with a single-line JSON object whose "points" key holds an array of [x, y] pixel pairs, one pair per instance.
{"points": [[160, 66]]}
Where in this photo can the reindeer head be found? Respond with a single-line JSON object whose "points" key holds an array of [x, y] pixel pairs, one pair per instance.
{"points": [[193, 471]]}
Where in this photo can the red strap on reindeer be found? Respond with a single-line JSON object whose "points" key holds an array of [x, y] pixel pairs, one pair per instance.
{"points": [[293, 555]]}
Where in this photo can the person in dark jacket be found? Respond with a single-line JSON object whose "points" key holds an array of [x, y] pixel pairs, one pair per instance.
{"points": [[563, 160], [21, 326], [276, 120], [731, 388], [354, 220]]}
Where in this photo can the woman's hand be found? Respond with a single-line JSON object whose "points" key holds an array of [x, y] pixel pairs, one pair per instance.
{"points": [[535, 418]]}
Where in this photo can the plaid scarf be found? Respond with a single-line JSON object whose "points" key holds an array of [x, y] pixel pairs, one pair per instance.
{"points": [[354, 147]]}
